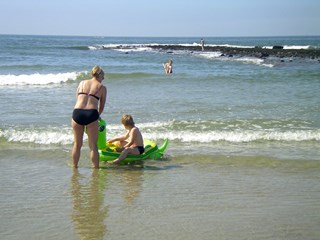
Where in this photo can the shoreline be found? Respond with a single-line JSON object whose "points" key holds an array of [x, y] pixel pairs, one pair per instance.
{"points": [[259, 52]]}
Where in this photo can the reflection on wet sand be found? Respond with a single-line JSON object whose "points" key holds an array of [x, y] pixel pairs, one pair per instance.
{"points": [[89, 212], [132, 182]]}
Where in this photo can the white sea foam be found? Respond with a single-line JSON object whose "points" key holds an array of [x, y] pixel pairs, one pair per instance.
{"points": [[236, 136], [248, 60], [210, 55], [123, 47], [137, 49], [253, 60], [39, 136], [64, 135], [295, 47], [37, 79], [97, 47]]}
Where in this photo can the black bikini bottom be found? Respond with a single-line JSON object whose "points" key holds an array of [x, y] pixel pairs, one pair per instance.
{"points": [[85, 116], [141, 149]]}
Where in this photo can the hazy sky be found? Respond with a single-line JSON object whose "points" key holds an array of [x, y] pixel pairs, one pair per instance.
{"points": [[161, 18]]}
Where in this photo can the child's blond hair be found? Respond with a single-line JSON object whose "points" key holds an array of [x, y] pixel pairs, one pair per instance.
{"points": [[127, 120]]}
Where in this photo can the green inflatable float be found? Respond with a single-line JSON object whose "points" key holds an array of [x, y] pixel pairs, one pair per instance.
{"points": [[107, 151]]}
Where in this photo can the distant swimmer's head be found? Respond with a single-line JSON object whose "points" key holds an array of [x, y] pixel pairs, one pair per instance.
{"points": [[170, 61], [97, 71]]}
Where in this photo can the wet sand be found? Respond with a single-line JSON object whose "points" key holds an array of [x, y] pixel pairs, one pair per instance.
{"points": [[195, 197]]}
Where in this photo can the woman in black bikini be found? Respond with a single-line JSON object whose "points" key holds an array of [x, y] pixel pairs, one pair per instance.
{"points": [[91, 97]]}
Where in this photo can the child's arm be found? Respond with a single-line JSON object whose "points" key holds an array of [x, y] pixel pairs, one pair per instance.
{"points": [[119, 138]]}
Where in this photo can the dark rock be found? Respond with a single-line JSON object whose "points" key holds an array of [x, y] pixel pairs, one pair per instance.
{"points": [[277, 47], [249, 52], [264, 55]]}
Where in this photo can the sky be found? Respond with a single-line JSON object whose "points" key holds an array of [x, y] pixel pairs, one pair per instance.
{"points": [[165, 18]]}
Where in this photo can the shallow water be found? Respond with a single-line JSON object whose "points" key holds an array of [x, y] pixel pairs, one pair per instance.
{"points": [[179, 198]]}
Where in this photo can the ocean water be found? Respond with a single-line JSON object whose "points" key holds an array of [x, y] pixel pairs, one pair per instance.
{"points": [[244, 138]]}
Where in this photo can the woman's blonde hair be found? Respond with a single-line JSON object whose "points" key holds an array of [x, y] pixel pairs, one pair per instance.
{"points": [[96, 71], [127, 120]]}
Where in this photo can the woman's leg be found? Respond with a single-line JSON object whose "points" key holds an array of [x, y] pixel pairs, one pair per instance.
{"points": [[93, 131], [77, 142]]}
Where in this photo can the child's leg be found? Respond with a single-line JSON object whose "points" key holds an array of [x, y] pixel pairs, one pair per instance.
{"points": [[122, 143], [125, 153]]}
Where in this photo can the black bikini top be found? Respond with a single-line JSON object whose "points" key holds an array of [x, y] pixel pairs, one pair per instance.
{"points": [[89, 94]]}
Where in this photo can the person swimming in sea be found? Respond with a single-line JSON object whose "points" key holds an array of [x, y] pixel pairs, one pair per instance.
{"points": [[168, 67]]}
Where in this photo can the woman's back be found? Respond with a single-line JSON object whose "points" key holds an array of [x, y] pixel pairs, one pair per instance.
{"points": [[88, 94]]}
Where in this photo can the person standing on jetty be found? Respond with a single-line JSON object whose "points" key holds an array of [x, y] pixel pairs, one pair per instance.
{"points": [[202, 44], [91, 97], [168, 67]]}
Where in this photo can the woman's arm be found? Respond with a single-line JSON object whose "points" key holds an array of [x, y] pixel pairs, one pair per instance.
{"points": [[103, 99]]}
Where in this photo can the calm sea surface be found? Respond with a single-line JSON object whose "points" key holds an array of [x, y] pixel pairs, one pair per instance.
{"points": [[243, 159]]}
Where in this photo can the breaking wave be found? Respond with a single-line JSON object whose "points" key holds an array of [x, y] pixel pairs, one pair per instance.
{"points": [[39, 79], [199, 131]]}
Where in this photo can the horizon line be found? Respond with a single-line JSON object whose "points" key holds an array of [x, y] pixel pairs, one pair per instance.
{"points": [[114, 36]]}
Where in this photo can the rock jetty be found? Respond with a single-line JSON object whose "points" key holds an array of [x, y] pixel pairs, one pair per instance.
{"points": [[276, 51]]}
